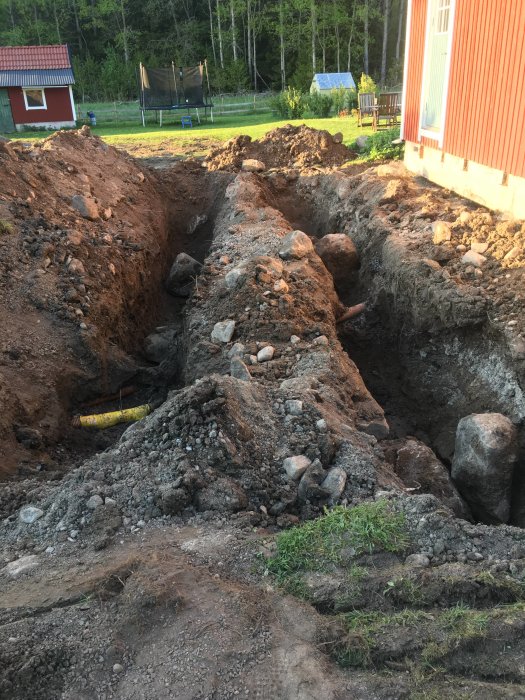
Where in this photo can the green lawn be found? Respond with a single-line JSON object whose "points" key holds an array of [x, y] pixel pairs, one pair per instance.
{"points": [[224, 128]]}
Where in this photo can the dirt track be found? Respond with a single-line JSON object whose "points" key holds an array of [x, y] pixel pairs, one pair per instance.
{"points": [[163, 573]]}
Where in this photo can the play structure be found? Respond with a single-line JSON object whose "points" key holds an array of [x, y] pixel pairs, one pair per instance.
{"points": [[175, 88]]}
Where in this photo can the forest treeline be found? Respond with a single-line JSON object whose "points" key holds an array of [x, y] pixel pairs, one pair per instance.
{"points": [[248, 44]]}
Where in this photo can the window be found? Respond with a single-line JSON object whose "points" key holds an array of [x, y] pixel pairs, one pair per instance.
{"points": [[35, 98], [443, 16]]}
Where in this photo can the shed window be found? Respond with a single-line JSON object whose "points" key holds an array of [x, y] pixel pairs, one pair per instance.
{"points": [[35, 98]]}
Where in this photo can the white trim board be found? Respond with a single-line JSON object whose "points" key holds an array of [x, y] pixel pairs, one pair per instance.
{"points": [[405, 68], [28, 107]]}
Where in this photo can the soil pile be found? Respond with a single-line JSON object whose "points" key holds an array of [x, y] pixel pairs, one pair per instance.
{"points": [[286, 147]]}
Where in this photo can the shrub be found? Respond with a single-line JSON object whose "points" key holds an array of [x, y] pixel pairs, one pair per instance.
{"points": [[379, 146], [289, 104], [278, 105], [366, 84], [339, 99], [351, 100], [320, 105]]}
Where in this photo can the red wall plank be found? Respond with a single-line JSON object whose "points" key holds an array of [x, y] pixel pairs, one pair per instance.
{"points": [[485, 119], [58, 107]]}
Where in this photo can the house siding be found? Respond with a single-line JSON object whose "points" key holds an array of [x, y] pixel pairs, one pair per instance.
{"points": [[58, 107], [485, 119]]}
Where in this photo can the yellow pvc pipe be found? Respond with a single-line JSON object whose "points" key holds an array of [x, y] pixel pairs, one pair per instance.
{"points": [[107, 420]]}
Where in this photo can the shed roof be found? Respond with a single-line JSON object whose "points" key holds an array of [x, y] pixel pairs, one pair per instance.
{"points": [[329, 81], [36, 78], [22, 58]]}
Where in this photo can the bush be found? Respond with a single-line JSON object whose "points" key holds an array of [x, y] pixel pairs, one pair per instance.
{"points": [[320, 105], [339, 99], [379, 146], [366, 84], [351, 100], [289, 104]]}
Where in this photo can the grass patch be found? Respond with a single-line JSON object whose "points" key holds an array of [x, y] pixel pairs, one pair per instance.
{"points": [[318, 545], [379, 146]]}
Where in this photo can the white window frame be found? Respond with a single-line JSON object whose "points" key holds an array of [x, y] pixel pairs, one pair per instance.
{"points": [[438, 136], [42, 90]]}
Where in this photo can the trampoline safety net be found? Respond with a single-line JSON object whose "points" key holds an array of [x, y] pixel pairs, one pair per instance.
{"points": [[172, 88]]}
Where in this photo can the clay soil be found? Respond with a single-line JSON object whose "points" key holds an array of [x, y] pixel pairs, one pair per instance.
{"points": [[160, 587]]}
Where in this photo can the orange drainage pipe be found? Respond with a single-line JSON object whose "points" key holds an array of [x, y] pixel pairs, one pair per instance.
{"points": [[101, 421]]}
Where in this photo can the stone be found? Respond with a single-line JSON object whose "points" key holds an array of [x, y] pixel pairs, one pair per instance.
{"points": [[393, 169], [513, 253], [479, 247], [236, 350], [361, 142], [172, 500], [419, 468], [75, 238], [441, 232], [321, 425], [334, 483], [294, 339], [293, 407], [235, 278], [30, 514], [310, 488], [295, 245], [266, 354], [377, 427], [76, 267], [157, 345], [239, 370], [280, 287], [29, 437], [182, 275], [483, 465], [321, 340], [94, 502], [223, 495], [296, 466], [251, 165], [339, 254], [21, 565], [419, 560], [223, 331], [86, 206], [338, 137], [473, 258], [118, 668], [107, 213], [464, 217]]}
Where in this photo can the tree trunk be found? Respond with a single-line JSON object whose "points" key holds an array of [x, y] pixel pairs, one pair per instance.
{"points": [[352, 24], [314, 32], [281, 41], [219, 33], [124, 32], [56, 22], [400, 28], [11, 14], [365, 38], [249, 35], [385, 41], [254, 62], [212, 34], [234, 33]]}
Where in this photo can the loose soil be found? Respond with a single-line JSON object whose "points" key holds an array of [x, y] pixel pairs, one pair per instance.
{"points": [[144, 574]]}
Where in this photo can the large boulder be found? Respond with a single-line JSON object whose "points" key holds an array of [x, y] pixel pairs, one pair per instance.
{"points": [[295, 245], [483, 465], [339, 255], [419, 468], [182, 275]]}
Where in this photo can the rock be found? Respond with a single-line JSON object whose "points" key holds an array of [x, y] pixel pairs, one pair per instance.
{"points": [[479, 247], [76, 267], [29, 514], [296, 466], [339, 255], [94, 502], [483, 465], [361, 141], [310, 488], [321, 425], [419, 468], [239, 370], [182, 275], [338, 137], [293, 407], [280, 287], [223, 331], [294, 339], [441, 232], [107, 213], [29, 437], [118, 668], [235, 278], [334, 483], [295, 245], [251, 165], [377, 427], [420, 560], [473, 258], [266, 354], [172, 500], [236, 350], [75, 238], [19, 566], [222, 495], [157, 345], [464, 217], [513, 253], [86, 206], [393, 169], [321, 340]]}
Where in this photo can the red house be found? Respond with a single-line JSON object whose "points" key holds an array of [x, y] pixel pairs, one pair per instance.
{"points": [[35, 87], [464, 98]]}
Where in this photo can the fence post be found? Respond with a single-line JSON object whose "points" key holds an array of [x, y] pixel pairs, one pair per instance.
{"points": [[115, 111]]}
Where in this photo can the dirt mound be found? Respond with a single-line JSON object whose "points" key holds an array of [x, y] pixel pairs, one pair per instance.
{"points": [[286, 147]]}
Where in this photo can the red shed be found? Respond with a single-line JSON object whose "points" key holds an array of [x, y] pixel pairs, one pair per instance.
{"points": [[464, 98], [35, 87]]}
